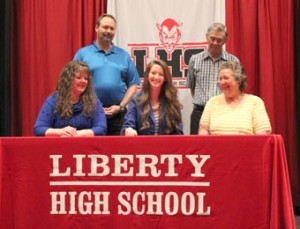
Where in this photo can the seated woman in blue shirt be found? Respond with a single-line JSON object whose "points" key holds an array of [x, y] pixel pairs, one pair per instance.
{"points": [[155, 110], [73, 109]]}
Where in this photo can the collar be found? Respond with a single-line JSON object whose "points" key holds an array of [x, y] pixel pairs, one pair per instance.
{"points": [[223, 56], [98, 49]]}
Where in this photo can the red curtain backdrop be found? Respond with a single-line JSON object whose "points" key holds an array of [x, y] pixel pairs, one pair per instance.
{"points": [[261, 35], [46, 34]]}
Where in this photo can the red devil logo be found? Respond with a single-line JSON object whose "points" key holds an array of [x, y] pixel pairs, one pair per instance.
{"points": [[169, 33]]}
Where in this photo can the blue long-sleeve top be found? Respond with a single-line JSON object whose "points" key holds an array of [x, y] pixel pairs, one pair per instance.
{"points": [[133, 119], [49, 118]]}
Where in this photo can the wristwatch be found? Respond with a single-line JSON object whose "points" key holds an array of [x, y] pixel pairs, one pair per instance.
{"points": [[122, 109]]}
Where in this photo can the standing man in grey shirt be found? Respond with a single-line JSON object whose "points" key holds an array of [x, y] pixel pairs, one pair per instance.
{"points": [[202, 77]]}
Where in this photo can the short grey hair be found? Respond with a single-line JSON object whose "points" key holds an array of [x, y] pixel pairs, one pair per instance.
{"points": [[238, 71], [218, 26]]}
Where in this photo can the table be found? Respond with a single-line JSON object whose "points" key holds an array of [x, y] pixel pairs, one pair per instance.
{"points": [[145, 182]]}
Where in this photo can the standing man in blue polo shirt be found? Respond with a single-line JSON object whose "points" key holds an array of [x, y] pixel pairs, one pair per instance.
{"points": [[114, 74]]}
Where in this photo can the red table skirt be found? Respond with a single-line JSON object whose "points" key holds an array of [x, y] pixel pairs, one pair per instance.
{"points": [[145, 182]]}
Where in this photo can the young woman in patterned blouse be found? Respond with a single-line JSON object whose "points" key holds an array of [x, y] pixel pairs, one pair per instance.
{"points": [[155, 109]]}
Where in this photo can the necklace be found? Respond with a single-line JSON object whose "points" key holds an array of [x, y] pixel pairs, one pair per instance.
{"points": [[155, 108]]}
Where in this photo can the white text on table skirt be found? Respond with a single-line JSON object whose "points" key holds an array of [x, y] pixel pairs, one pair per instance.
{"points": [[138, 203]]}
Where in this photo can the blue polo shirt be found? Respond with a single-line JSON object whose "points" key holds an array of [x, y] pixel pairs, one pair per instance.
{"points": [[112, 72]]}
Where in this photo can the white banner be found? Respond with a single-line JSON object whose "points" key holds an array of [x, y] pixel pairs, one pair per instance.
{"points": [[171, 30]]}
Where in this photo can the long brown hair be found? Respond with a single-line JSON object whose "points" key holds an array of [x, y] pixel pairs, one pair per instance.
{"points": [[64, 90], [168, 99]]}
